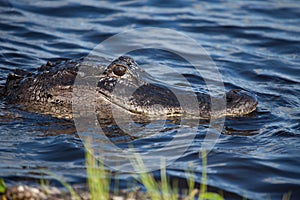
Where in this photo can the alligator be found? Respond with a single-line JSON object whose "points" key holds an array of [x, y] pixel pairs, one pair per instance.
{"points": [[120, 85]]}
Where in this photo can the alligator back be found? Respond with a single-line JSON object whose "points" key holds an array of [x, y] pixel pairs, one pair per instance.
{"points": [[49, 90]]}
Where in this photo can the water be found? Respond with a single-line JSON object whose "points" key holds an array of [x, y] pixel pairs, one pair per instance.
{"points": [[254, 44]]}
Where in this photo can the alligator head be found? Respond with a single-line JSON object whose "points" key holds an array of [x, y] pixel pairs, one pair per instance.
{"points": [[124, 84]]}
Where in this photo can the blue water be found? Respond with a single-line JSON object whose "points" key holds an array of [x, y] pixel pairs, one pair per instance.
{"points": [[255, 46]]}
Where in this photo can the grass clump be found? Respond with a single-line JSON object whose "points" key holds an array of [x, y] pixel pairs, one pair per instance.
{"points": [[156, 190], [99, 182], [164, 190]]}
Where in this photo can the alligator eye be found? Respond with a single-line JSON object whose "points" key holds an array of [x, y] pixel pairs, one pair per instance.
{"points": [[119, 70]]}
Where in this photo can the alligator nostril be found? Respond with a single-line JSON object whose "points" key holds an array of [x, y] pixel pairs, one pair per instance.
{"points": [[119, 70]]}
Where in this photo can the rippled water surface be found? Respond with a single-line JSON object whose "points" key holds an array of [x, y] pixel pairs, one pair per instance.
{"points": [[255, 46]]}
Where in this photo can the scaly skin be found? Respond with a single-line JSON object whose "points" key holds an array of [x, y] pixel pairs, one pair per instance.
{"points": [[51, 91]]}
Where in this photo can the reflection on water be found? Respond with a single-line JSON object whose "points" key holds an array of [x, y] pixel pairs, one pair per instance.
{"points": [[255, 45]]}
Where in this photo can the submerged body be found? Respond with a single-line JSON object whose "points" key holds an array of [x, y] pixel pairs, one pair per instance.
{"points": [[121, 86]]}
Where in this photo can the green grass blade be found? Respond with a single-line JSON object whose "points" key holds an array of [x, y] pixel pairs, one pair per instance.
{"points": [[191, 183], [203, 187], [211, 196], [98, 177], [2, 186], [165, 187]]}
